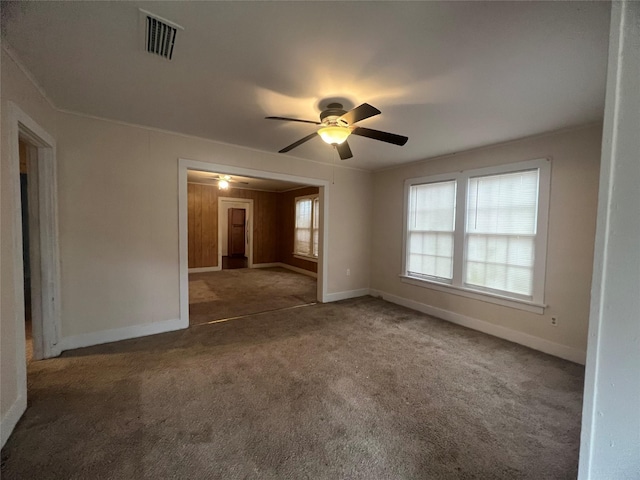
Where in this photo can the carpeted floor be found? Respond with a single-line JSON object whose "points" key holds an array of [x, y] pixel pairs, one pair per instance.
{"points": [[233, 293], [359, 389]]}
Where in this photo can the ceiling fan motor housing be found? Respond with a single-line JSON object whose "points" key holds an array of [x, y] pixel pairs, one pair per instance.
{"points": [[331, 115]]}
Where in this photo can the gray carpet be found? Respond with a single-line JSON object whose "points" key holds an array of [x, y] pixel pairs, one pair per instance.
{"points": [[359, 389], [233, 293]]}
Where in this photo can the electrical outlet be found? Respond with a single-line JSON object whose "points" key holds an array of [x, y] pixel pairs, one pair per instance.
{"points": [[348, 272], [554, 321]]}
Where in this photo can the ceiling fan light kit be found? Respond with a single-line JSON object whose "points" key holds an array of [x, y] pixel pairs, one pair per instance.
{"points": [[336, 125], [334, 135]]}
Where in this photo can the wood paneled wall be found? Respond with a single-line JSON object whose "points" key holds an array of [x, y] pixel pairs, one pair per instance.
{"points": [[202, 214], [203, 224], [286, 225], [273, 225]]}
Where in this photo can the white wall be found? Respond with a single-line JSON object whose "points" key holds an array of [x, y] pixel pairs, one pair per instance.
{"points": [[610, 440], [574, 186]]}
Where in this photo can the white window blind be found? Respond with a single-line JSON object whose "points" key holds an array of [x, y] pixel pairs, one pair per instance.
{"points": [[431, 226], [500, 231], [480, 233], [306, 226]]}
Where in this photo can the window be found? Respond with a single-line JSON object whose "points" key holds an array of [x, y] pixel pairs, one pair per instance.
{"points": [[480, 233], [306, 227], [432, 208], [501, 230]]}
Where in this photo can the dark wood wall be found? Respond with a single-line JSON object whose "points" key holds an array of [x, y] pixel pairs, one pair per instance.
{"points": [[203, 224], [286, 225], [273, 224]]}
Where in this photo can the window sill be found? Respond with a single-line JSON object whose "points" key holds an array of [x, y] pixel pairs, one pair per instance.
{"points": [[304, 257], [525, 305]]}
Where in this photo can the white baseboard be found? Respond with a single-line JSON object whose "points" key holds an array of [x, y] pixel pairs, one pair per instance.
{"points": [[205, 269], [540, 344], [334, 297], [299, 270], [10, 420], [259, 265], [287, 266], [266, 265], [124, 333]]}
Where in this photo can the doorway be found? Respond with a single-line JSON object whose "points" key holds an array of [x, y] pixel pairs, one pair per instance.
{"points": [[236, 240], [24, 148], [186, 169], [235, 227], [43, 271], [36, 263], [225, 225], [236, 232]]}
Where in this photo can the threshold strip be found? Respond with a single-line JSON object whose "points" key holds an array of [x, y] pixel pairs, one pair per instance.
{"points": [[254, 314]]}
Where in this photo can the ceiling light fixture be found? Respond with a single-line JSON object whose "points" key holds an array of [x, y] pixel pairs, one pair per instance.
{"points": [[334, 135], [223, 184]]}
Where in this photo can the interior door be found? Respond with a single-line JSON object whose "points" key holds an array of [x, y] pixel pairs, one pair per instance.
{"points": [[236, 229]]}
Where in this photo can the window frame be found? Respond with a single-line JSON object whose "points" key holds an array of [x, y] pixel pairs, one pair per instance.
{"points": [[535, 302], [314, 214]]}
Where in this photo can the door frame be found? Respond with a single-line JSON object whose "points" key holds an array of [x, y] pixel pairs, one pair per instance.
{"points": [[248, 202], [44, 240], [43, 228], [186, 164]]}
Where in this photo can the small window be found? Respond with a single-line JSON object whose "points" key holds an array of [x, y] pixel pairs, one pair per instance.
{"points": [[305, 241], [480, 231]]}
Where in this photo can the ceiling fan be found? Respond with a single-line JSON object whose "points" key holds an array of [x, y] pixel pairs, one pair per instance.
{"points": [[225, 180], [337, 124]]}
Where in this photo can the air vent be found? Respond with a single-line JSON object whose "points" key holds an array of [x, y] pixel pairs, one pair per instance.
{"points": [[160, 35]]}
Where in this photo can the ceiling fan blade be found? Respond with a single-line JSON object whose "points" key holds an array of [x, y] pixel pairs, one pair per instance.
{"points": [[299, 142], [292, 120], [360, 113], [344, 150], [382, 136]]}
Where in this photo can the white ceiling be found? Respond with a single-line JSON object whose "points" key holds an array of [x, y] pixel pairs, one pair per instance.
{"points": [[265, 184], [449, 75]]}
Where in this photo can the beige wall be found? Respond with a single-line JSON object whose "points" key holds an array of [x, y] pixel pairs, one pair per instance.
{"points": [[574, 189], [118, 193], [118, 222], [118, 219]]}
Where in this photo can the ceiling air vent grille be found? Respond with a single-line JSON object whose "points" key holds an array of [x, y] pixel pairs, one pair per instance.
{"points": [[160, 35]]}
